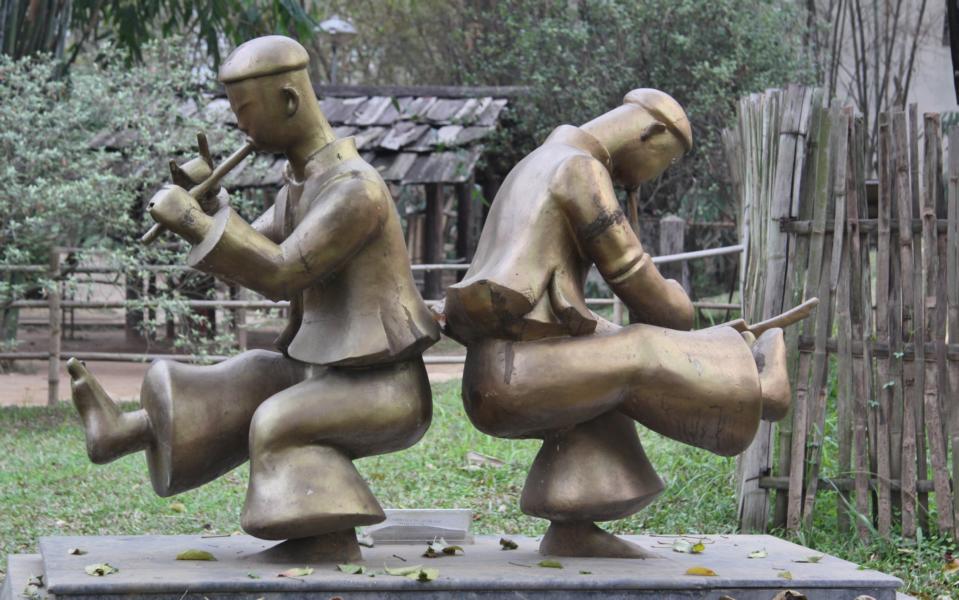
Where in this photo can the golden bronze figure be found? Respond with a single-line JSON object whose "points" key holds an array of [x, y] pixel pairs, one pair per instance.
{"points": [[540, 364], [349, 380]]}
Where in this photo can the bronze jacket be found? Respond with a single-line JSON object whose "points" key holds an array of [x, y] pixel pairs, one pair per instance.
{"points": [[332, 245], [555, 215]]}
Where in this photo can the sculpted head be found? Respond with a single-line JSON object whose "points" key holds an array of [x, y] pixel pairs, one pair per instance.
{"points": [[269, 88], [644, 135]]}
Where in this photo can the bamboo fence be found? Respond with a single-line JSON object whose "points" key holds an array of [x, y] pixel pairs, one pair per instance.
{"points": [[874, 370]]}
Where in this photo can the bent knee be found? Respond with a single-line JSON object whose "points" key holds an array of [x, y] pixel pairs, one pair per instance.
{"points": [[493, 407]]}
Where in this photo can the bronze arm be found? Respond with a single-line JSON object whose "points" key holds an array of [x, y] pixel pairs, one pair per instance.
{"points": [[605, 236]]}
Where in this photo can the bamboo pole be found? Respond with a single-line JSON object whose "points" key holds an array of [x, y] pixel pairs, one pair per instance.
{"points": [[882, 328], [906, 326], [797, 261], [817, 199], [858, 311], [833, 203], [846, 396], [922, 468], [952, 299], [933, 324]]}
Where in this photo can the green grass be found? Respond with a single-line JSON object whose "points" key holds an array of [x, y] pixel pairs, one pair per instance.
{"points": [[48, 487]]}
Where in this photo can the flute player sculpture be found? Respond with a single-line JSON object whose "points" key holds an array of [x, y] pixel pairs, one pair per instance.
{"points": [[541, 365], [349, 380]]}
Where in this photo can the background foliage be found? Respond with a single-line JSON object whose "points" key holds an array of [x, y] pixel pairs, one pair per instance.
{"points": [[60, 186]]}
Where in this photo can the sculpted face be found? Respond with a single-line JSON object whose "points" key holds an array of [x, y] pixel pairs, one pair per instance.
{"points": [[644, 157], [264, 110]]}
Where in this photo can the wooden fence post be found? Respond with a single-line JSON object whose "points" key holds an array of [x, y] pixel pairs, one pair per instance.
{"points": [[672, 237], [934, 326], [952, 299], [53, 297], [467, 222], [433, 251]]}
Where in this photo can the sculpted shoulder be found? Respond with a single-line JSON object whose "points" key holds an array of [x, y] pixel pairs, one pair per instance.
{"points": [[578, 177], [357, 187]]}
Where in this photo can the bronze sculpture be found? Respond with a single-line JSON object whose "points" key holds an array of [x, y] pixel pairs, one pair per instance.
{"points": [[349, 380], [540, 364]]}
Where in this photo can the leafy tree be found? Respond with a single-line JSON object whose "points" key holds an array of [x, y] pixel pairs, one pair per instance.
{"points": [[77, 172]]}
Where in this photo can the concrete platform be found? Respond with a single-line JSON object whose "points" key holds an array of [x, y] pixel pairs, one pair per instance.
{"points": [[148, 569]]}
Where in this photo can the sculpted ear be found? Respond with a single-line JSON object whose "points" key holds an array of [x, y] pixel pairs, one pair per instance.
{"points": [[292, 99], [652, 129]]}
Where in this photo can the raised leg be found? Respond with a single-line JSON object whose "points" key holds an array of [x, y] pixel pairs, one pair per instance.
{"points": [[110, 432], [698, 387]]}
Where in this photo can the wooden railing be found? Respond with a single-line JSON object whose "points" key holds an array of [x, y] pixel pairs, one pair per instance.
{"points": [[56, 305]]}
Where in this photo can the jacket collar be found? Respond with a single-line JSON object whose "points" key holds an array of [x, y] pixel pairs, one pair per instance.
{"points": [[324, 159], [576, 137]]}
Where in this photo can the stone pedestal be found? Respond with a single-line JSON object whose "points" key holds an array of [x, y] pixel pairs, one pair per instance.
{"points": [[147, 568]]}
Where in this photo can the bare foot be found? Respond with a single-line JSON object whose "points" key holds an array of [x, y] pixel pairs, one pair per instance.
{"points": [[583, 538], [769, 351], [110, 432], [338, 546]]}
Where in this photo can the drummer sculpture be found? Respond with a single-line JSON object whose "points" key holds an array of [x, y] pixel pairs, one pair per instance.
{"points": [[541, 365], [350, 380]]}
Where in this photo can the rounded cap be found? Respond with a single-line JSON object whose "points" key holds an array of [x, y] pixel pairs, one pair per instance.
{"points": [[262, 56], [665, 109]]}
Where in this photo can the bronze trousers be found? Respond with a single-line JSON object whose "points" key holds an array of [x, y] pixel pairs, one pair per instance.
{"points": [[581, 395], [299, 424]]}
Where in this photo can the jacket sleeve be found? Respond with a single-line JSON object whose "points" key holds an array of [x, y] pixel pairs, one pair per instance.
{"points": [[585, 191], [334, 229], [266, 225]]}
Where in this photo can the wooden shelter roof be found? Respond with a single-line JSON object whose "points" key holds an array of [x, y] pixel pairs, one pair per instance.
{"points": [[411, 135]]}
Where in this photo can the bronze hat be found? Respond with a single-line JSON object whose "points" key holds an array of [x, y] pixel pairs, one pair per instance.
{"points": [[268, 55], [665, 109]]}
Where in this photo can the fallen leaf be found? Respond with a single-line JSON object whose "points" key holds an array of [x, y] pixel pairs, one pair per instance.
{"points": [[705, 572], [697, 548], [296, 572], [585, 572], [31, 592], [682, 545], [35, 581], [402, 571], [424, 575], [475, 459], [178, 507], [785, 575], [195, 555], [253, 576], [507, 544], [757, 554], [452, 550], [76, 551], [809, 559], [550, 564], [431, 552], [351, 569], [100, 569]]}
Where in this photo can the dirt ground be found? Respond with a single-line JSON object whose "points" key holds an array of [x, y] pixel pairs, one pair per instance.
{"points": [[26, 385]]}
